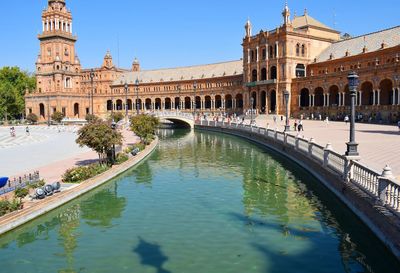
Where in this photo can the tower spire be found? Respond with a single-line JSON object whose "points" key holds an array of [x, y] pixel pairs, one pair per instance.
{"points": [[286, 14], [247, 27]]}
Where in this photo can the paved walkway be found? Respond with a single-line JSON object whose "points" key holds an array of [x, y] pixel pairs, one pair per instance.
{"points": [[50, 150], [379, 145]]}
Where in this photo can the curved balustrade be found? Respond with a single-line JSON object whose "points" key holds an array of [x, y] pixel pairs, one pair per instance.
{"points": [[383, 187]]}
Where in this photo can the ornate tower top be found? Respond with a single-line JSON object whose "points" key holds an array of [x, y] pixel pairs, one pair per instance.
{"points": [[108, 62], [286, 14], [247, 27], [136, 65]]}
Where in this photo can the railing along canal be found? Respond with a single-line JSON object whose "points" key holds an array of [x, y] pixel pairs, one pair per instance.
{"points": [[381, 186]]}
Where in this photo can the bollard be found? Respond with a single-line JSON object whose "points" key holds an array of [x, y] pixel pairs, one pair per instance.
{"points": [[310, 145], [383, 184], [327, 150]]}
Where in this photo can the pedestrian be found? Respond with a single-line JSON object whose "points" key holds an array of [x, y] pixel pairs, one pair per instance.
{"points": [[327, 121], [274, 119], [346, 119], [319, 117], [27, 131], [301, 126], [295, 125]]}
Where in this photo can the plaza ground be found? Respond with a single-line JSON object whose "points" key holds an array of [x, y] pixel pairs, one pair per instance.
{"points": [[379, 145], [49, 150]]}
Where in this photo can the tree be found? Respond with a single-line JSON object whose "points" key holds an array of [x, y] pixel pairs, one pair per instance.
{"points": [[92, 118], [99, 137], [32, 118], [57, 116], [118, 116], [14, 83], [144, 126]]}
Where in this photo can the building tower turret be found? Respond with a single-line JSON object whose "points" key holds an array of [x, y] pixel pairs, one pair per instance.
{"points": [[136, 65], [286, 14], [248, 28]]}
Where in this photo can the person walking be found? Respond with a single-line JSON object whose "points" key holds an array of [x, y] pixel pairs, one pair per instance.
{"points": [[295, 125], [301, 128], [27, 131], [346, 119]]}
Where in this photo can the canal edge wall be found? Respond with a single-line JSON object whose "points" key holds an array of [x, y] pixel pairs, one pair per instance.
{"points": [[385, 226], [15, 219]]}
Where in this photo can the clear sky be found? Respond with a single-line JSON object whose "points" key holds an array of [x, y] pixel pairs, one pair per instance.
{"points": [[173, 33]]}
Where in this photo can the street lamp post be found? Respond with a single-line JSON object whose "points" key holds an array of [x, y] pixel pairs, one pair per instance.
{"points": [[251, 110], [91, 91], [286, 95], [126, 100], [137, 95], [194, 100], [114, 127], [179, 92], [352, 144], [48, 110]]}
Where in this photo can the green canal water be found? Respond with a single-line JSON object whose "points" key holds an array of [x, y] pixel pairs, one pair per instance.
{"points": [[201, 203]]}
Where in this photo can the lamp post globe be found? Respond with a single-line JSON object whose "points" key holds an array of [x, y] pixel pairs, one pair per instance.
{"points": [[286, 95], [194, 99], [137, 96], [251, 111], [91, 91], [353, 84], [126, 100]]}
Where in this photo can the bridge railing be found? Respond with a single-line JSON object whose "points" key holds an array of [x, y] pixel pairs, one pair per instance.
{"points": [[173, 114], [383, 187], [20, 182]]}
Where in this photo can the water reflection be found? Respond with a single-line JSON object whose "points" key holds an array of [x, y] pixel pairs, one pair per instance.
{"points": [[103, 207]]}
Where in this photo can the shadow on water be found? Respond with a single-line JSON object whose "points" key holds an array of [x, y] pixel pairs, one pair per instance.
{"points": [[151, 255]]}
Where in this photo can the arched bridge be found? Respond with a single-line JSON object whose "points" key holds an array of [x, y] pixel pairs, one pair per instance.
{"points": [[179, 118]]}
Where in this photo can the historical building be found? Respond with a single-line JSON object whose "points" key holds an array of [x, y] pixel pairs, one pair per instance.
{"points": [[303, 56]]}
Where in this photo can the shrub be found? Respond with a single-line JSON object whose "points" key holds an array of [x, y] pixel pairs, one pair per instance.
{"points": [[57, 116], [121, 158], [92, 118], [38, 184], [21, 192], [117, 116], [32, 118], [79, 174], [7, 206]]}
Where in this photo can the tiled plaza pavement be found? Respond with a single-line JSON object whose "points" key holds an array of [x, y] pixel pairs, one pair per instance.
{"points": [[379, 145], [47, 150]]}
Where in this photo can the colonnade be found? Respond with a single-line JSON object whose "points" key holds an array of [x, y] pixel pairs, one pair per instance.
{"points": [[54, 24]]}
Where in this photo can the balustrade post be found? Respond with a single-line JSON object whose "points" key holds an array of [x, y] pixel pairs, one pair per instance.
{"points": [[327, 150], [285, 136], [310, 145], [383, 185], [297, 143], [276, 135]]}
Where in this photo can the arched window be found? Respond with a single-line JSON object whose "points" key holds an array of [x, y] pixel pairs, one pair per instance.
{"points": [[271, 52], [68, 83], [300, 71], [254, 75], [298, 50], [303, 50], [304, 97], [41, 110], [264, 74], [273, 73]]}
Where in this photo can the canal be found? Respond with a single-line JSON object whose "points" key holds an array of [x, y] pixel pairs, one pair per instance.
{"points": [[201, 203]]}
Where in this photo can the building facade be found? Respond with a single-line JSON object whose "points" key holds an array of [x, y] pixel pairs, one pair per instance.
{"points": [[303, 56]]}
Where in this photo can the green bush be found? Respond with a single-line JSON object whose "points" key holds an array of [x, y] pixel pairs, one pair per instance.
{"points": [[121, 158], [21, 192], [38, 184], [79, 174], [7, 206], [140, 145], [32, 118]]}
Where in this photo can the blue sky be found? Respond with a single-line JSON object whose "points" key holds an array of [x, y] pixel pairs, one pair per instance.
{"points": [[174, 33]]}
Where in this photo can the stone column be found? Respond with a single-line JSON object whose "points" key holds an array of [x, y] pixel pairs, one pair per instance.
{"points": [[223, 104], [373, 97], [324, 100], [70, 27], [248, 55], [398, 96], [309, 100], [340, 99], [327, 99], [313, 100], [343, 99], [233, 103], [257, 59], [394, 96], [379, 97], [43, 26], [299, 100]]}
